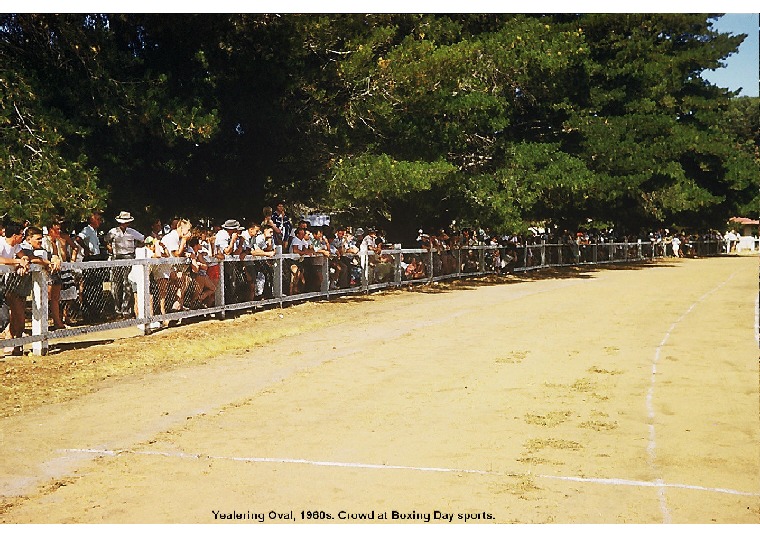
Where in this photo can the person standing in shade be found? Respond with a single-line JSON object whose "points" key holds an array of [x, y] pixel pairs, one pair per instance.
{"points": [[10, 246], [281, 222], [175, 243], [121, 242], [93, 279]]}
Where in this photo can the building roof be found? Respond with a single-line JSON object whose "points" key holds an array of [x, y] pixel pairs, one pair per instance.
{"points": [[744, 221]]}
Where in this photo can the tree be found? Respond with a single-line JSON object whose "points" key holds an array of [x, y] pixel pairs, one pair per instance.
{"points": [[650, 124], [83, 81], [554, 118]]}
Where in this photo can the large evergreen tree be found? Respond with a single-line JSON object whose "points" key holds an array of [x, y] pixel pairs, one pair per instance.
{"points": [[403, 120]]}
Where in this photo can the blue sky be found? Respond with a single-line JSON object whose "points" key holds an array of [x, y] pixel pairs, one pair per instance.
{"points": [[741, 69]]}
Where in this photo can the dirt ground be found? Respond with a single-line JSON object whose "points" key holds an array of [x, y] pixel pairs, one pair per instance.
{"points": [[618, 395]]}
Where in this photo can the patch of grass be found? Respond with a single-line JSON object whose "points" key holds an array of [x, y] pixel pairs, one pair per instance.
{"points": [[537, 444], [513, 357], [32, 381], [600, 371], [552, 419], [599, 425]]}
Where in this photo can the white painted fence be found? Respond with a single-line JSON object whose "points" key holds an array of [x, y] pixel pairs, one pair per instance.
{"points": [[450, 264]]}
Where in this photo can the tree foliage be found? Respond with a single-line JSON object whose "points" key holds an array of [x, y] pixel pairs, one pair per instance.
{"points": [[405, 120]]}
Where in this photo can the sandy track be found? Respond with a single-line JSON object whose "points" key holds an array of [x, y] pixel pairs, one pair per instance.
{"points": [[618, 395]]}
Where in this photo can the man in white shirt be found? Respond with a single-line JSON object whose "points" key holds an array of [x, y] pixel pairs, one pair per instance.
{"points": [[10, 246], [229, 242], [93, 279], [89, 240], [121, 242], [301, 246]]}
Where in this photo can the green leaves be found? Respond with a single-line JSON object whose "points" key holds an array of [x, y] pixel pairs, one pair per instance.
{"points": [[412, 120]]}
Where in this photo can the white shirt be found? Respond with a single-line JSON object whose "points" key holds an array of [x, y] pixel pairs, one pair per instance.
{"points": [[171, 242], [90, 238], [124, 242], [142, 252], [260, 242], [296, 242], [7, 251], [222, 241]]}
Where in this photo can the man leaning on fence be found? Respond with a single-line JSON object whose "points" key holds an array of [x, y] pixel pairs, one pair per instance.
{"points": [[11, 302], [121, 242]]}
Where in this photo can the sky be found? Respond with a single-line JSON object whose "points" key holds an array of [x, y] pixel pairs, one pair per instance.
{"points": [[743, 69]]}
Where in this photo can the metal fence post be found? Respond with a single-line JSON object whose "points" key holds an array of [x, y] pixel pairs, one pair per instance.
{"points": [[364, 263], [144, 302], [277, 273], [40, 312], [325, 267], [543, 252], [219, 296]]}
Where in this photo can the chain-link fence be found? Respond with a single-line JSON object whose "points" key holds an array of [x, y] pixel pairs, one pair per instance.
{"points": [[152, 293]]}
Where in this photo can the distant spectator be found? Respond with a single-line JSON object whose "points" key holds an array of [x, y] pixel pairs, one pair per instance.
{"points": [[415, 270], [344, 249], [255, 272], [55, 246], [299, 245], [13, 290], [277, 233], [32, 248], [175, 243], [204, 289], [122, 241], [282, 223], [89, 240], [676, 244], [157, 229], [229, 242], [91, 291], [263, 246]]}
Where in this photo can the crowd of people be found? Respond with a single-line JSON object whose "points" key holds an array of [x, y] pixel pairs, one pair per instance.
{"points": [[190, 277]]}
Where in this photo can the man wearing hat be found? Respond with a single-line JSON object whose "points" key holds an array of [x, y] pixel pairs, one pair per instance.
{"points": [[228, 242], [121, 242]]}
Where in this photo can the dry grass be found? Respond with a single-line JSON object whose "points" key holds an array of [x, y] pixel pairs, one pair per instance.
{"points": [[32, 381]]}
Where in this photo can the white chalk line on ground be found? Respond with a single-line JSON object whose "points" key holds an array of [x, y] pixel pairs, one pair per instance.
{"points": [[652, 443], [368, 466]]}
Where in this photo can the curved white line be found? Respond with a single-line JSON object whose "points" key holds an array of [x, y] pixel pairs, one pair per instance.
{"points": [[652, 442]]}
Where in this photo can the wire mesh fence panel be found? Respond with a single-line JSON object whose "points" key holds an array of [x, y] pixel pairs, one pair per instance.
{"points": [[379, 269], [239, 282], [345, 272], [414, 266], [470, 261], [98, 295]]}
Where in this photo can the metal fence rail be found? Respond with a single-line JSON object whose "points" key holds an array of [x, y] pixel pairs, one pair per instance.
{"points": [[151, 293]]}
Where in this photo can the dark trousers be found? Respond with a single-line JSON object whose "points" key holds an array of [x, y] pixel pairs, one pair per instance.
{"points": [[121, 289]]}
